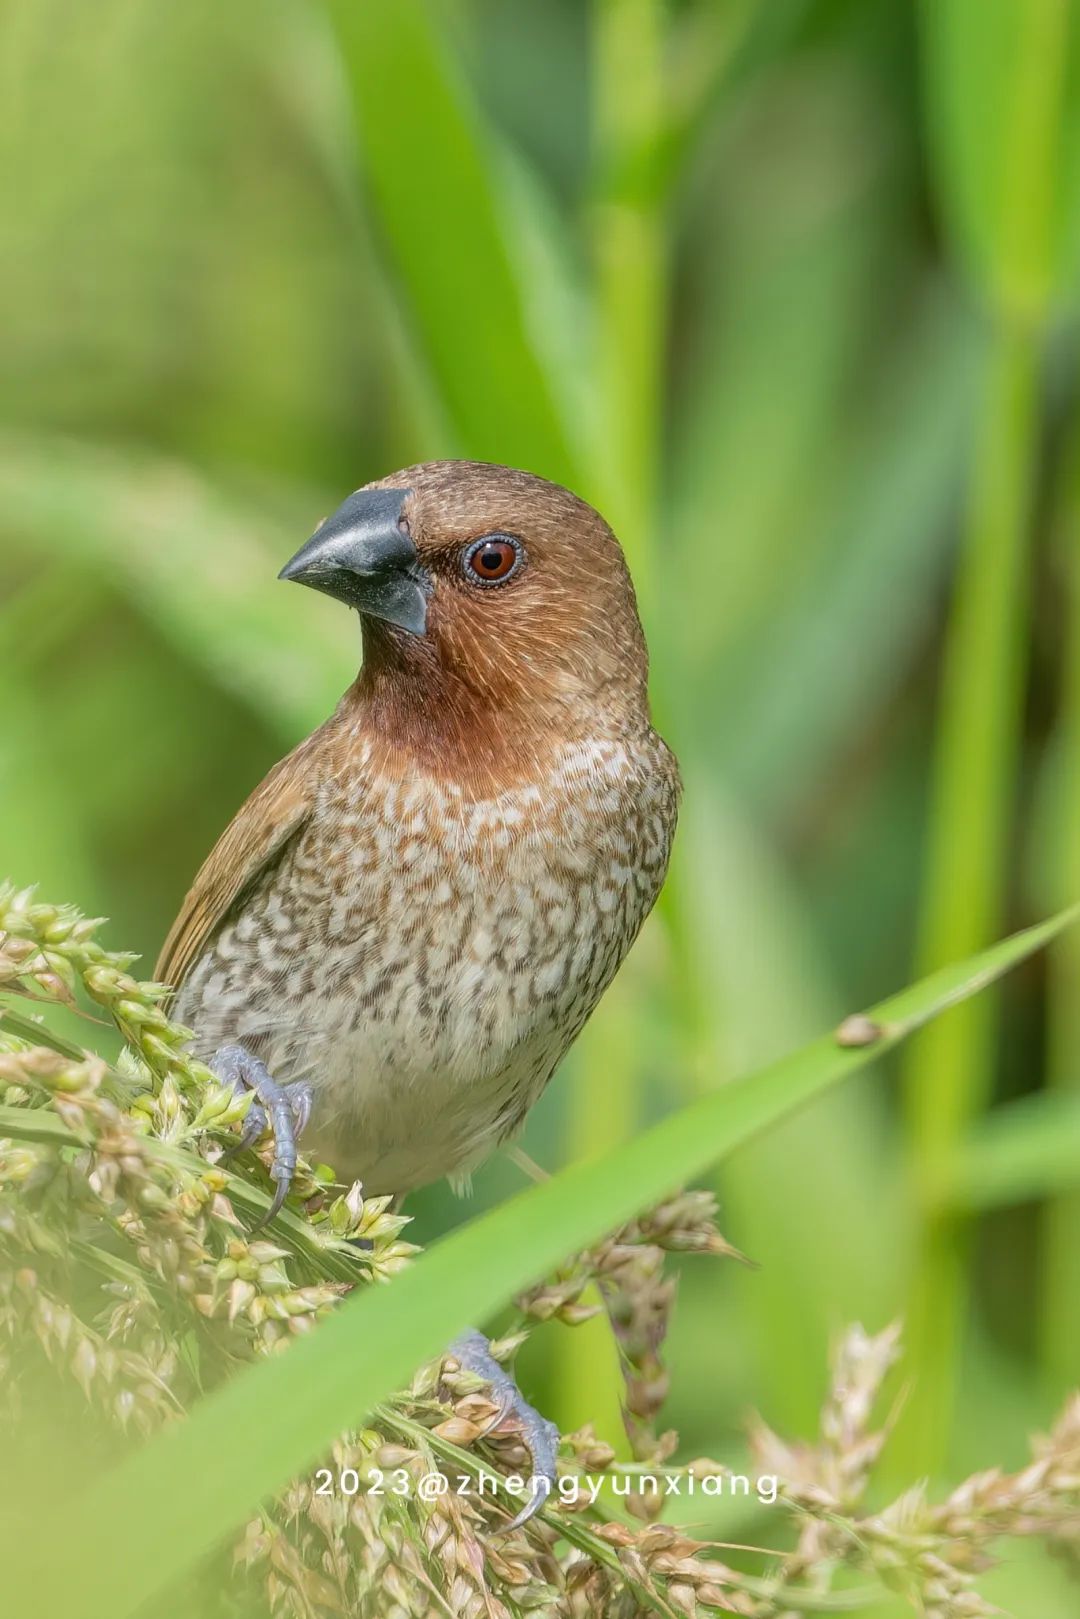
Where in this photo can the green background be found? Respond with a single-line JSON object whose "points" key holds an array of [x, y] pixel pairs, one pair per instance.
{"points": [[789, 291]]}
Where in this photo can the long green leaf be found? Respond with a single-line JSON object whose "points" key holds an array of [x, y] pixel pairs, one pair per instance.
{"points": [[630, 256], [948, 1072], [155, 1516], [1002, 105], [432, 178], [1012, 50], [1061, 1241], [1019, 1152]]}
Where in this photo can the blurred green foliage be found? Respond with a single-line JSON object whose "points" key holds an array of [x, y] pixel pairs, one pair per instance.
{"points": [[787, 288]]}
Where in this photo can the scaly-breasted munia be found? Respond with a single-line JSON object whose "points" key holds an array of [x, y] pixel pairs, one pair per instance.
{"points": [[409, 921]]}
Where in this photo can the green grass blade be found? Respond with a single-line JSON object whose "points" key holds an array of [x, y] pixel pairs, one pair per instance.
{"points": [[155, 1516], [998, 75], [1060, 1280], [976, 745], [431, 173], [1008, 54], [630, 256], [1023, 1151], [949, 1071]]}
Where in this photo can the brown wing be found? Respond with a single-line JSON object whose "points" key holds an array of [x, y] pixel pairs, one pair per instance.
{"points": [[258, 833]]}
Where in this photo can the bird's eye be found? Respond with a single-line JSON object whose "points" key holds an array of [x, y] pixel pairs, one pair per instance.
{"points": [[492, 560]]}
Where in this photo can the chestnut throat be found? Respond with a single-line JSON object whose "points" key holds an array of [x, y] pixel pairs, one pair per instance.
{"points": [[485, 727]]}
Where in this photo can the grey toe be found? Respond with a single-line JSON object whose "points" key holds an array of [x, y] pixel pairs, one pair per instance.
{"points": [[541, 1436], [285, 1108]]}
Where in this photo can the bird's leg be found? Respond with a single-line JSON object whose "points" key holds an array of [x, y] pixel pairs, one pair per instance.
{"points": [[285, 1108], [541, 1437]]}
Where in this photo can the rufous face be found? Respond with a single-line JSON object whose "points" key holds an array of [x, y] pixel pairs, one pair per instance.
{"points": [[528, 591]]}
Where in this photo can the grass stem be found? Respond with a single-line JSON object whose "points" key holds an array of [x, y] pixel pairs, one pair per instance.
{"points": [[629, 261], [948, 1070], [1060, 1281]]}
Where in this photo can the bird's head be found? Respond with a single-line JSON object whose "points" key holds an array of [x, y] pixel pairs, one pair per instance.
{"points": [[493, 593]]}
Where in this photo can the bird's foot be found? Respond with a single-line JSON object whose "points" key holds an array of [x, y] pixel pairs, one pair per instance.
{"points": [[540, 1436], [284, 1109]]}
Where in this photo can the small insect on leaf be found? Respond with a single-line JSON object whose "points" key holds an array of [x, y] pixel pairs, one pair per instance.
{"points": [[858, 1030]]}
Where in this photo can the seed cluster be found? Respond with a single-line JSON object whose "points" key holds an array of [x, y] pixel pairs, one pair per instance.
{"points": [[129, 1275]]}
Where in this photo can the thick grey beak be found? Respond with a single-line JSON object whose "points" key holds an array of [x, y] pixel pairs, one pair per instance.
{"points": [[364, 557]]}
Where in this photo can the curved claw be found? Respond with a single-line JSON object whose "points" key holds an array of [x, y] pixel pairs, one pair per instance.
{"points": [[285, 1108], [281, 1192], [541, 1436], [255, 1122]]}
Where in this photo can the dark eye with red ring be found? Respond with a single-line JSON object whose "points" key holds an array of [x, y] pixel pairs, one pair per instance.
{"points": [[493, 560]]}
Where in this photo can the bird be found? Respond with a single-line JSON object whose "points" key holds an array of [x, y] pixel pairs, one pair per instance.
{"points": [[407, 924]]}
